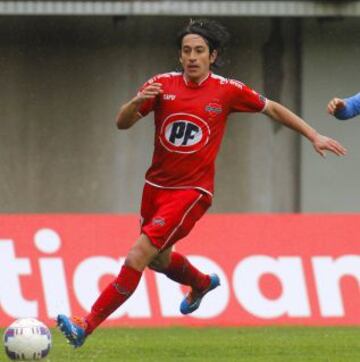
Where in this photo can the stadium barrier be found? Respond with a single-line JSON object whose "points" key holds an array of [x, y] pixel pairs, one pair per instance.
{"points": [[275, 269]]}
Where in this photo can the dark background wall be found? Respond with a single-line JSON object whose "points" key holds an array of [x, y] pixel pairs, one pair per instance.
{"points": [[64, 78]]}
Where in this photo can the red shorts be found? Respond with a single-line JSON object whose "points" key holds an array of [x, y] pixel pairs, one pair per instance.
{"points": [[169, 214]]}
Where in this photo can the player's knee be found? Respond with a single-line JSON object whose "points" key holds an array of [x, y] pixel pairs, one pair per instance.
{"points": [[154, 265], [139, 257], [157, 265], [160, 263]]}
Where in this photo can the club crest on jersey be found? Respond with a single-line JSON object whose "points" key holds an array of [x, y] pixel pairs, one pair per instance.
{"points": [[213, 108], [184, 133]]}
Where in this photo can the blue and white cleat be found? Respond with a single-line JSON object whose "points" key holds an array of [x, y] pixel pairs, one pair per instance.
{"points": [[73, 329], [193, 299]]}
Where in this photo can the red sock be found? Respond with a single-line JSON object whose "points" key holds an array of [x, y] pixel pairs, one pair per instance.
{"points": [[113, 296], [182, 271]]}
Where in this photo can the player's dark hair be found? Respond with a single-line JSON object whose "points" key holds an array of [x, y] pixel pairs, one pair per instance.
{"points": [[214, 34]]}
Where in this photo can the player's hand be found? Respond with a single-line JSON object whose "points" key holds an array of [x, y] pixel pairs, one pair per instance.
{"points": [[149, 92], [322, 143], [335, 105]]}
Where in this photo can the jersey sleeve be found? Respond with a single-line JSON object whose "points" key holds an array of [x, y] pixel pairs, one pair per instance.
{"points": [[351, 109], [149, 104], [244, 99]]}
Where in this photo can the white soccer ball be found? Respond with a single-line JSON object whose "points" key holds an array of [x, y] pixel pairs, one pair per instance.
{"points": [[27, 339]]}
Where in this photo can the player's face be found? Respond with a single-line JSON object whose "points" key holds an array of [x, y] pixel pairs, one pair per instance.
{"points": [[195, 57]]}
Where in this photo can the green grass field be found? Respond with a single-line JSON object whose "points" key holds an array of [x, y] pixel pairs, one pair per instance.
{"points": [[211, 344]]}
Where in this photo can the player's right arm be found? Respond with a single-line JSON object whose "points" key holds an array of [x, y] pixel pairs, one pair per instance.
{"points": [[129, 112], [344, 108]]}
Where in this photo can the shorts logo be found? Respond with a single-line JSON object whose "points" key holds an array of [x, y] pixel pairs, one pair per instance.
{"points": [[184, 133], [158, 221]]}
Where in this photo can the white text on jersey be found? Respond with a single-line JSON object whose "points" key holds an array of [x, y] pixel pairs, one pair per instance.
{"points": [[169, 97]]}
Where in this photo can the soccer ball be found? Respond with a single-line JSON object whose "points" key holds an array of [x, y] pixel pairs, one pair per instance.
{"points": [[27, 339]]}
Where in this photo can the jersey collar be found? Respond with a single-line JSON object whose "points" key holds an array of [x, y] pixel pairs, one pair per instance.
{"points": [[192, 84]]}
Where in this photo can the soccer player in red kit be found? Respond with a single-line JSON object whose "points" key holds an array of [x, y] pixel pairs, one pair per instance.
{"points": [[190, 110]]}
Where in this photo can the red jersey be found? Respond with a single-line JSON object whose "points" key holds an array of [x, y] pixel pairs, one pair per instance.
{"points": [[190, 121]]}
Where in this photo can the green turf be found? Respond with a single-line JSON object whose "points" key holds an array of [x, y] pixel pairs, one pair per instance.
{"points": [[212, 344]]}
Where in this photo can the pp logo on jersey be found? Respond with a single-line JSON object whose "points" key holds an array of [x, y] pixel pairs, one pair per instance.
{"points": [[184, 133]]}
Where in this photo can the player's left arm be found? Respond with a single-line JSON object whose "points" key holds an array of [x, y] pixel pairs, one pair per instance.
{"points": [[321, 143]]}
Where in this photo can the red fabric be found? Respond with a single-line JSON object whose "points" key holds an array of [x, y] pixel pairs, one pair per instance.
{"points": [[169, 215], [113, 296], [190, 121], [182, 271]]}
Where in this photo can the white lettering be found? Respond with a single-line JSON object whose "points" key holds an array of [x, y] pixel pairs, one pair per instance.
{"points": [[11, 299], [294, 300], [236, 83], [169, 97], [328, 273], [52, 273]]}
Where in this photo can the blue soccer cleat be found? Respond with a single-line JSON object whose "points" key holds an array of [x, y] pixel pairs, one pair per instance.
{"points": [[193, 299], [73, 329]]}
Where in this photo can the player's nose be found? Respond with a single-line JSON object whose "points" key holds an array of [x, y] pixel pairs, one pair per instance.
{"points": [[192, 56]]}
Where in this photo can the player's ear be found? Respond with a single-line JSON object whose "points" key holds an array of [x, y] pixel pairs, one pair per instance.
{"points": [[213, 56], [180, 57]]}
